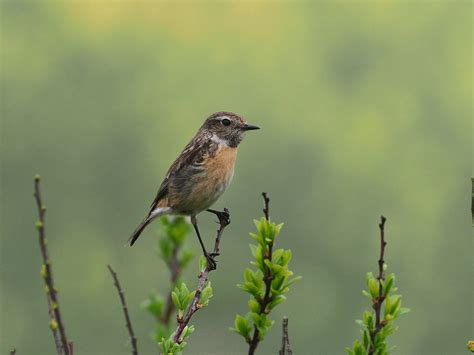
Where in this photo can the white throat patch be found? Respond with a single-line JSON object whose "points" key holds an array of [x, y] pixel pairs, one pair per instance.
{"points": [[218, 140]]}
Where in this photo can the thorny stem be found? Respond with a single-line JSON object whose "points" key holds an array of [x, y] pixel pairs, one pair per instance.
{"points": [[63, 346], [285, 340], [381, 277], [267, 278], [128, 323], [203, 277]]}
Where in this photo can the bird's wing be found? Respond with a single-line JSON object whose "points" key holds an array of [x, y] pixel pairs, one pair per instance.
{"points": [[190, 159]]}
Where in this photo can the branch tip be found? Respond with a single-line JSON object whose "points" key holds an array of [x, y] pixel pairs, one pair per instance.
{"points": [[128, 322], [266, 201], [379, 324], [285, 340]]}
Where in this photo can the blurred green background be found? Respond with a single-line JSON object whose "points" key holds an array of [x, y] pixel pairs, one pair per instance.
{"points": [[365, 109]]}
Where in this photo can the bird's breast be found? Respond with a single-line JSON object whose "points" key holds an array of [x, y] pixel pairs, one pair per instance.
{"points": [[220, 166], [216, 176], [207, 185]]}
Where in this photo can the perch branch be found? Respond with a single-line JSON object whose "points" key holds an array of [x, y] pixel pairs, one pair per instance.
{"points": [[13, 352], [285, 340], [378, 303], [128, 323], [63, 346], [203, 277], [267, 278]]}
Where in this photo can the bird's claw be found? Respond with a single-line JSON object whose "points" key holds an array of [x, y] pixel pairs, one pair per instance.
{"points": [[224, 217], [212, 264]]}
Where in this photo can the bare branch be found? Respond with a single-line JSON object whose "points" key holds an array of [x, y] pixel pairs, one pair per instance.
{"points": [[266, 201], [13, 352], [63, 346], [203, 277], [285, 340], [128, 323], [381, 277]]}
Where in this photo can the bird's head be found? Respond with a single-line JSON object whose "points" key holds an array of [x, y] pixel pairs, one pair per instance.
{"points": [[227, 128]]}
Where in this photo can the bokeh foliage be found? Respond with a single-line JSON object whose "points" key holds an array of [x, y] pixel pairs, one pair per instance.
{"points": [[364, 109]]}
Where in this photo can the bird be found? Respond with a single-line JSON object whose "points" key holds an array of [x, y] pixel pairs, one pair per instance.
{"points": [[200, 174]]}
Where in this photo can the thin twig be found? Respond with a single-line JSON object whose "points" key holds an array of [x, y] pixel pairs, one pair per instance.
{"points": [[267, 278], [285, 340], [63, 346], [381, 277], [203, 277], [266, 210], [128, 323]]}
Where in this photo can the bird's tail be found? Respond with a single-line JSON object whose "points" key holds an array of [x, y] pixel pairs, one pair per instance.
{"points": [[160, 211], [139, 231]]}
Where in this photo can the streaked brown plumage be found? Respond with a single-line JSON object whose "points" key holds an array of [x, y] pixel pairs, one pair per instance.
{"points": [[201, 173]]}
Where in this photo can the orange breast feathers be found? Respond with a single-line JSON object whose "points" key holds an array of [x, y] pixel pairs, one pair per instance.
{"points": [[220, 167]]}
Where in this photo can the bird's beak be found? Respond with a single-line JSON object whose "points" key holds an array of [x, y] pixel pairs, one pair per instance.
{"points": [[249, 127]]}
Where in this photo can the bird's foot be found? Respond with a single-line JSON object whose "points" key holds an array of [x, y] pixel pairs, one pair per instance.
{"points": [[223, 216], [211, 262]]}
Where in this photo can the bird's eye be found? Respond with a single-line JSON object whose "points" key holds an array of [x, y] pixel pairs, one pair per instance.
{"points": [[226, 122]]}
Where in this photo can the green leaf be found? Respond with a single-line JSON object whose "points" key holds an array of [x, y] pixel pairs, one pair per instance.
{"points": [[276, 256], [278, 228], [253, 249], [276, 301], [248, 275], [373, 285], [403, 310], [369, 320], [252, 289], [292, 281], [206, 294], [277, 282], [388, 284], [242, 326], [254, 306], [154, 304], [286, 258], [186, 257], [176, 300], [257, 237], [365, 339], [176, 229], [187, 331], [202, 263], [165, 249], [358, 349], [392, 304]]}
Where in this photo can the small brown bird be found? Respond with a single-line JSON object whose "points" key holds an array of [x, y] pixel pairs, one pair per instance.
{"points": [[201, 173]]}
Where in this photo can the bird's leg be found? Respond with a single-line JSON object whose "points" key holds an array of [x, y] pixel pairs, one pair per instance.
{"points": [[209, 257], [224, 216], [224, 219]]}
